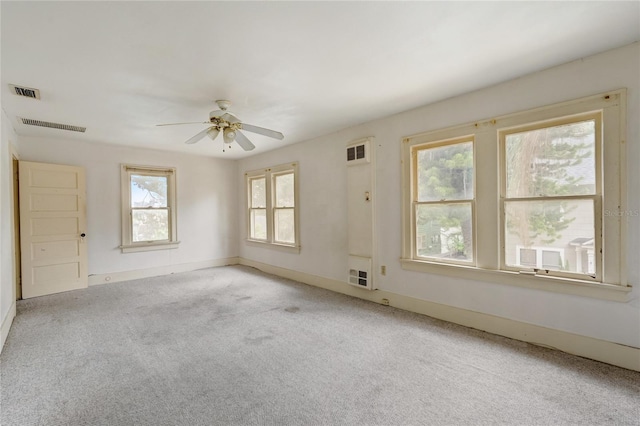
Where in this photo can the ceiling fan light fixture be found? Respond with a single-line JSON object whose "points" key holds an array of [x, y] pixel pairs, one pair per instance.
{"points": [[213, 133], [229, 135]]}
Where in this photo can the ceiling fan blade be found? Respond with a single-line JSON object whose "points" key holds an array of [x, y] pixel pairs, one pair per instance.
{"points": [[178, 124], [243, 141], [262, 131], [230, 117], [199, 136]]}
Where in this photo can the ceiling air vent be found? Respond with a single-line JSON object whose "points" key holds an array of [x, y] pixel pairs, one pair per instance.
{"points": [[31, 122], [27, 92]]}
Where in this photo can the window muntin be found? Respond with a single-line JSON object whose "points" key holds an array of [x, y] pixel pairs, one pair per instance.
{"points": [[272, 201], [443, 191], [148, 208], [551, 193]]}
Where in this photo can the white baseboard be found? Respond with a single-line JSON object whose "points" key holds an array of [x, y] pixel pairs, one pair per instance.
{"points": [[6, 325], [587, 347], [115, 277]]}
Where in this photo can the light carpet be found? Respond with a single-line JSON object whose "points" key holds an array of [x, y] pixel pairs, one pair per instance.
{"points": [[235, 346]]}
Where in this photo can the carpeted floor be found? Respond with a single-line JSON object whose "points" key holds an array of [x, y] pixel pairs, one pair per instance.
{"points": [[235, 346]]}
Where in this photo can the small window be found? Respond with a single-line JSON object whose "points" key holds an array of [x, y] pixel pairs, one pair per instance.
{"points": [[148, 208], [273, 206], [258, 208]]}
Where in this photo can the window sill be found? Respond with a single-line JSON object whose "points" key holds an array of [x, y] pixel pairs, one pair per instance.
{"points": [[282, 247], [611, 292], [135, 248]]}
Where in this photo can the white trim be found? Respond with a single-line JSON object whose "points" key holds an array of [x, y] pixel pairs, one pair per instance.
{"points": [[587, 347], [6, 325], [150, 246], [128, 246], [114, 277], [269, 174]]}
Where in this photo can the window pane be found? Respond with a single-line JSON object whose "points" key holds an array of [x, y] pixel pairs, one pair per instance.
{"points": [[552, 161], [259, 224], [148, 191], [560, 232], [284, 223], [444, 231], [150, 225], [284, 190], [445, 172], [258, 193]]}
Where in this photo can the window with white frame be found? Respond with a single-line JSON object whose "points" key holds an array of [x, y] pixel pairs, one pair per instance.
{"points": [[550, 192], [533, 210], [272, 206], [443, 200], [148, 208]]}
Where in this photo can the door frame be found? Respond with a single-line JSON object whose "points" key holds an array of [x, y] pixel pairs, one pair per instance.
{"points": [[15, 220]]}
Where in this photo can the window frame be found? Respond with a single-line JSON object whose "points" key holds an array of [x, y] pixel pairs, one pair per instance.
{"points": [[489, 205], [270, 174], [416, 203], [596, 197], [128, 245]]}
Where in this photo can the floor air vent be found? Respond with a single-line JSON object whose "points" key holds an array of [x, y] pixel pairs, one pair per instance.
{"points": [[39, 123], [27, 92], [360, 272]]}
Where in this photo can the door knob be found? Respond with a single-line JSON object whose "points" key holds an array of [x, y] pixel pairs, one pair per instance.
{"points": [[83, 235]]}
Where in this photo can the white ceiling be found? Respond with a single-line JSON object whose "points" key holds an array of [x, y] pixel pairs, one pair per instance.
{"points": [[303, 68]]}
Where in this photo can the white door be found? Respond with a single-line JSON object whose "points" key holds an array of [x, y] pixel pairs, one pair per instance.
{"points": [[52, 228]]}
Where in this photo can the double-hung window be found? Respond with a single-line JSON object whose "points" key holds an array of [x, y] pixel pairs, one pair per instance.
{"points": [[443, 200], [534, 199], [551, 196], [148, 208], [272, 200]]}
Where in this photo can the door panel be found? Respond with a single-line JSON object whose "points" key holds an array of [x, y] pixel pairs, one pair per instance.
{"points": [[52, 219]]}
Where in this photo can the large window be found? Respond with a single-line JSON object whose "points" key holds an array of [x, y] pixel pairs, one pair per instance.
{"points": [[532, 199], [272, 215], [148, 208], [550, 196]]}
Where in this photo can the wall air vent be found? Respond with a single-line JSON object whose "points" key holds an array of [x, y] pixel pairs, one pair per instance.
{"points": [[31, 122], [27, 92], [358, 153]]}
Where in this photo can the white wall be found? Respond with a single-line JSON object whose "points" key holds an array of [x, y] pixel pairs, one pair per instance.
{"points": [[7, 277], [207, 198], [323, 213]]}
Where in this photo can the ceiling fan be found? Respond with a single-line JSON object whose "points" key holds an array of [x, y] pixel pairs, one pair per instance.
{"points": [[230, 125]]}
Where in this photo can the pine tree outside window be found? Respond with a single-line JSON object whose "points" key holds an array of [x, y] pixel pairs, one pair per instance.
{"points": [[443, 201], [551, 192], [533, 199]]}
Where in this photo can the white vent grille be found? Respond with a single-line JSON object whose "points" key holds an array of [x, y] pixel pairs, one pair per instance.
{"points": [[358, 153], [360, 272], [59, 126], [27, 92]]}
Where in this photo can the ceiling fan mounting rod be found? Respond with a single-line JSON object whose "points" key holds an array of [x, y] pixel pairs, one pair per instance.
{"points": [[223, 104]]}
